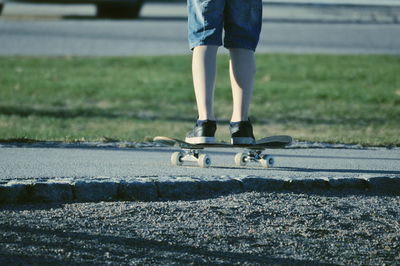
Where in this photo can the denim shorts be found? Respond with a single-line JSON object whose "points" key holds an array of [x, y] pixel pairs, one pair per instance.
{"points": [[239, 19]]}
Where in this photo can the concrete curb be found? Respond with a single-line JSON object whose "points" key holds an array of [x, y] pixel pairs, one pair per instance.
{"points": [[181, 188]]}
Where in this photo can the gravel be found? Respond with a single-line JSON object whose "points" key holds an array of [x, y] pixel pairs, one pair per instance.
{"points": [[248, 229]]}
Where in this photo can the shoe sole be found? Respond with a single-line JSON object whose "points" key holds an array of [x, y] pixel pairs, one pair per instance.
{"points": [[200, 140]]}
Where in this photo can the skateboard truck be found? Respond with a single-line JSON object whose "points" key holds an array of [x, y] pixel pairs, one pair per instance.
{"points": [[242, 158], [191, 155], [204, 161]]}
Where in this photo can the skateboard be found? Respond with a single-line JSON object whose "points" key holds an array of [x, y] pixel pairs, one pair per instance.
{"points": [[252, 153]]}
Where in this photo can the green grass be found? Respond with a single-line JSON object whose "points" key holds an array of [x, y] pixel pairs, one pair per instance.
{"points": [[329, 98]]}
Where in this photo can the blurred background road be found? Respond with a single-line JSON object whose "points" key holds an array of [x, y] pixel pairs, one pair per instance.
{"points": [[360, 27]]}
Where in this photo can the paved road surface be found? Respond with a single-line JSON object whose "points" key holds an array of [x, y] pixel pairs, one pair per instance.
{"points": [[26, 163]]}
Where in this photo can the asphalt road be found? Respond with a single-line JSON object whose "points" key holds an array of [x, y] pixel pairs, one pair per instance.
{"points": [[73, 30], [92, 162]]}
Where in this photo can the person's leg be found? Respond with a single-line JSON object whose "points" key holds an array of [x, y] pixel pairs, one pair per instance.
{"points": [[204, 74], [242, 69], [242, 23], [205, 26]]}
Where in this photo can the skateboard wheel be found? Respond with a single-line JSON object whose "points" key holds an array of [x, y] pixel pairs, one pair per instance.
{"points": [[240, 159], [267, 161], [204, 161], [177, 158]]}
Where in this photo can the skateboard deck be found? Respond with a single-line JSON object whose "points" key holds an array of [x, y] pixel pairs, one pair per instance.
{"points": [[253, 153]]}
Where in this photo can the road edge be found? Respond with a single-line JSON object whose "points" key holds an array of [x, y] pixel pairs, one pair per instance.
{"points": [[183, 188]]}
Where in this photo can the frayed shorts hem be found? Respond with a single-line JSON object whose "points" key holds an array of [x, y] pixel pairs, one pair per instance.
{"points": [[243, 46], [227, 46], [201, 43]]}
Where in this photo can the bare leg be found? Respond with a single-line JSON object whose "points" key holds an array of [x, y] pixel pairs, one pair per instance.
{"points": [[242, 68], [204, 73]]}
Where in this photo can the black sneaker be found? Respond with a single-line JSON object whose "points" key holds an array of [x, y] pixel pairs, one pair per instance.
{"points": [[203, 132], [241, 132]]}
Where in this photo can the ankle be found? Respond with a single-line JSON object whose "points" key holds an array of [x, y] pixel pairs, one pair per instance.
{"points": [[236, 121], [239, 118], [206, 118]]}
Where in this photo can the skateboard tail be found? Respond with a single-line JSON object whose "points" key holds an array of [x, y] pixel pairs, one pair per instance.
{"points": [[276, 141], [165, 141]]}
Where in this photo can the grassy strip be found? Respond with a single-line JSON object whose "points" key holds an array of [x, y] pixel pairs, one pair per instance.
{"points": [[347, 99]]}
